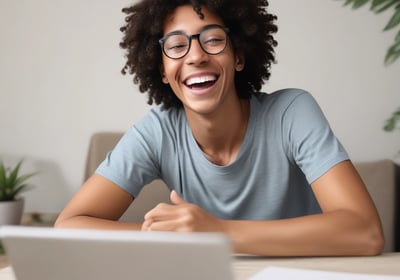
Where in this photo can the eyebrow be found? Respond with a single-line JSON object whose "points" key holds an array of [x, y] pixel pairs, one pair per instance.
{"points": [[202, 29]]}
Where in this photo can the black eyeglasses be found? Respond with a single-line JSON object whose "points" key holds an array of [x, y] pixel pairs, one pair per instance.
{"points": [[212, 39]]}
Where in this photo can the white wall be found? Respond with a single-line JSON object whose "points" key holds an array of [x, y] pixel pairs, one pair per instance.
{"points": [[60, 81]]}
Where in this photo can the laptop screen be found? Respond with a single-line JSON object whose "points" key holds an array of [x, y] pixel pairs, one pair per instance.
{"points": [[48, 253]]}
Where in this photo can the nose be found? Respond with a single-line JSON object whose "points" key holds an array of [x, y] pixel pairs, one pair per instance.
{"points": [[196, 54]]}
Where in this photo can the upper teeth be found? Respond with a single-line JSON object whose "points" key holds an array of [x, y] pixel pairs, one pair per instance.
{"points": [[202, 79]]}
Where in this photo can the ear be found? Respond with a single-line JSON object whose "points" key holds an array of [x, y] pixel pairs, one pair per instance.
{"points": [[239, 63], [163, 77]]}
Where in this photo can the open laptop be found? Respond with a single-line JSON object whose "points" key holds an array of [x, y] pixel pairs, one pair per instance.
{"points": [[65, 254]]}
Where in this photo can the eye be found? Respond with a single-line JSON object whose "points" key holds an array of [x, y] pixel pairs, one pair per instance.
{"points": [[213, 37], [176, 43], [214, 41]]}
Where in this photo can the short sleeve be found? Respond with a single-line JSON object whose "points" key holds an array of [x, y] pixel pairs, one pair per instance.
{"points": [[311, 144], [133, 162]]}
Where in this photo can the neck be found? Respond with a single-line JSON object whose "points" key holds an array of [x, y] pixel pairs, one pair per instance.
{"points": [[220, 136]]}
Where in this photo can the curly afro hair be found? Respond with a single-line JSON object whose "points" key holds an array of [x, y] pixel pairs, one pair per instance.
{"points": [[251, 30]]}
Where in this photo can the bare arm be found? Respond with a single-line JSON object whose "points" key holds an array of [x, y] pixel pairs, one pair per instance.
{"points": [[349, 224], [98, 204]]}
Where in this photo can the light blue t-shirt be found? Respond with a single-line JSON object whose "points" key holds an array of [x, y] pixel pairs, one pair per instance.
{"points": [[288, 145]]}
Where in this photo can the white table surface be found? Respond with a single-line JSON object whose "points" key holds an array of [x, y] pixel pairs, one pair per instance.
{"points": [[385, 264]]}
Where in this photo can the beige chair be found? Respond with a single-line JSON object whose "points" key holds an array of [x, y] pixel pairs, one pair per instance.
{"points": [[382, 180], [379, 176], [156, 192]]}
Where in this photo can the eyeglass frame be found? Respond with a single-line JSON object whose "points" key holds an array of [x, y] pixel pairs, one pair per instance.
{"points": [[194, 36]]}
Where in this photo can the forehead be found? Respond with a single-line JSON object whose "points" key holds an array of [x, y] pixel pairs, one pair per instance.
{"points": [[184, 18]]}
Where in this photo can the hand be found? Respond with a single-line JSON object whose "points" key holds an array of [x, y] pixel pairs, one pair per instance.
{"points": [[180, 216]]}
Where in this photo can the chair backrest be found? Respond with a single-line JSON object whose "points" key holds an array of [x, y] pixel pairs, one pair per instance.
{"points": [[380, 177], [152, 194]]}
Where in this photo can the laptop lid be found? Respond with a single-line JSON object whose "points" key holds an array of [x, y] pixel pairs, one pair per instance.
{"points": [[64, 254]]}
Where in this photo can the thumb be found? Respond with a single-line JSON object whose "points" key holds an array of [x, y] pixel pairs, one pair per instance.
{"points": [[175, 198]]}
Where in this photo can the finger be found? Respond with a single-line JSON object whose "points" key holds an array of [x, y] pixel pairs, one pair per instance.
{"points": [[175, 198], [146, 225], [170, 225], [161, 212]]}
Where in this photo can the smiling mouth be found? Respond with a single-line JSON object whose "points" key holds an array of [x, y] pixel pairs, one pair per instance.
{"points": [[201, 82]]}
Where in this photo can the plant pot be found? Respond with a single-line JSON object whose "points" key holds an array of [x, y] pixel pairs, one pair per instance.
{"points": [[11, 212]]}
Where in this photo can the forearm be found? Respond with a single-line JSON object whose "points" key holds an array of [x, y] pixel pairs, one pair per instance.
{"points": [[95, 223], [336, 233]]}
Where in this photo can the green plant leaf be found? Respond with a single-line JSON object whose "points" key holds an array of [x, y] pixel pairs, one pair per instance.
{"points": [[19, 189], [359, 3], [348, 2], [394, 20], [379, 6], [392, 54], [13, 174], [391, 123], [11, 183], [23, 178], [2, 175], [2, 251], [387, 5], [376, 3]]}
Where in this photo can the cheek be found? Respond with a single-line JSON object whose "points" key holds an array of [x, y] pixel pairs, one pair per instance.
{"points": [[229, 66], [170, 70], [170, 75]]}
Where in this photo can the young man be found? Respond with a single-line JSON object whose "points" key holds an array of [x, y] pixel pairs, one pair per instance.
{"points": [[265, 169]]}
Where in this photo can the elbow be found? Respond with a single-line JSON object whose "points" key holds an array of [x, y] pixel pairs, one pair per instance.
{"points": [[376, 245], [374, 241], [60, 222], [373, 247]]}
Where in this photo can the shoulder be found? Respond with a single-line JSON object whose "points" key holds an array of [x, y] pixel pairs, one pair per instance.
{"points": [[283, 96], [160, 119], [158, 114], [154, 132], [284, 101]]}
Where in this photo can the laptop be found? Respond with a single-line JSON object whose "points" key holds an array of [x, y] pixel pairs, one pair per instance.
{"points": [[37, 253]]}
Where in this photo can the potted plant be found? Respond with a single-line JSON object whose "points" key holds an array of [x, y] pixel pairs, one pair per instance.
{"points": [[11, 185]]}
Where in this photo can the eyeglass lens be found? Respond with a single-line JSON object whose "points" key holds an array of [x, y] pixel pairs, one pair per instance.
{"points": [[212, 41]]}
